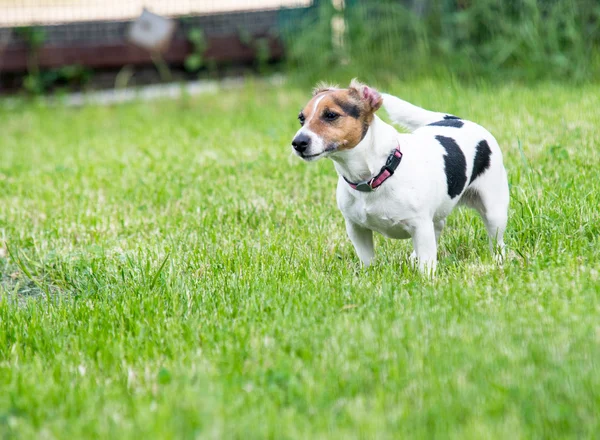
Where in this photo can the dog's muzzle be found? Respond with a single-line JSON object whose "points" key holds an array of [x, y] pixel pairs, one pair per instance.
{"points": [[301, 143]]}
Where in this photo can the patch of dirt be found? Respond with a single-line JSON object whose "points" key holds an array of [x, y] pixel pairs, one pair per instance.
{"points": [[15, 284]]}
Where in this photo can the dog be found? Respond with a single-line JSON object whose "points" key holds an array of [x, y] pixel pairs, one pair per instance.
{"points": [[403, 185]]}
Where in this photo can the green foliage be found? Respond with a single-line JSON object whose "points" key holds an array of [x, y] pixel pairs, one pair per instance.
{"points": [[519, 39], [38, 80], [172, 271], [34, 36], [260, 45], [195, 60], [263, 53]]}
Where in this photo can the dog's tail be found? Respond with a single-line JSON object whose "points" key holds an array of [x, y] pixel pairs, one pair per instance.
{"points": [[408, 115]]}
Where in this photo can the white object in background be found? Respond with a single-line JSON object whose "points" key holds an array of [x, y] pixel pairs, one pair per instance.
{"points": [[338, 30], [151, 31]]}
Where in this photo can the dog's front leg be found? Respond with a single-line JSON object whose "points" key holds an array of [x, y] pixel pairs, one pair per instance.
{"points": [[362, 239], [424, 241]]}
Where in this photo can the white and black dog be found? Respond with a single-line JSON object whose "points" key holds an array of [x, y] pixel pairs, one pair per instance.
{"points": [[403, 185]]}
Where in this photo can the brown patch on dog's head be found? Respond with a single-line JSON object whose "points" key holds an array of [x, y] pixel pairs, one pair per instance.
{"points": [[340, 118]]}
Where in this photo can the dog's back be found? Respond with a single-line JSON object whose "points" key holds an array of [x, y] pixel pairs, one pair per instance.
{"points": [[470, 150], [473, 161]]}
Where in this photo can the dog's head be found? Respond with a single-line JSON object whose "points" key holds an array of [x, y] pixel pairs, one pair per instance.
{"points": [[335, 119]]}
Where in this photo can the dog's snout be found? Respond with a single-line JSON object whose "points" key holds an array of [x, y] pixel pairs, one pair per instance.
{"points": [[301, 143]]}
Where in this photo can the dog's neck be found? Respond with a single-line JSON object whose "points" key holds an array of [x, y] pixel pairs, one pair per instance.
{"points": [[366, 159]]}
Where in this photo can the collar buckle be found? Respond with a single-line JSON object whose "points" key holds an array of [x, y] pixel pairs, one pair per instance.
{"points": [[393, 161]]}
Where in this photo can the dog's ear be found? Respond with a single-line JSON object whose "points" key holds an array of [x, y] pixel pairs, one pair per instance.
{"points": [[368, 95], [323, 87]]}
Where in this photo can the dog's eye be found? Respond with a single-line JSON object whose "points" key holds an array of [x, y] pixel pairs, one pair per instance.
{"points": [[330, 116], [301, 118]]}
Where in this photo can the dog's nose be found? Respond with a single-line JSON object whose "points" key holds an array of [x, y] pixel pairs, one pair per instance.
{"points": [[301, 143]]}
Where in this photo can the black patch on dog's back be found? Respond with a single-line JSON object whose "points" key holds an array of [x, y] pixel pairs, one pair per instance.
{"points": [[451, 122], [451, 117], [481, 161], [350, 109], [455, 166]]}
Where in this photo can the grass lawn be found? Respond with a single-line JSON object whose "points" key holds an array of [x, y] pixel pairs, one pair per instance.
{"points": [[171, 270]]}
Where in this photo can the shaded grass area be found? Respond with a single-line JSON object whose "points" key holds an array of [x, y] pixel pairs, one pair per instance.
{"points": [[195, 279]]}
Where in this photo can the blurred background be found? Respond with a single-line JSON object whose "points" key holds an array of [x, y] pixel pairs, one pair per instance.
{"points": [[57, 45]]}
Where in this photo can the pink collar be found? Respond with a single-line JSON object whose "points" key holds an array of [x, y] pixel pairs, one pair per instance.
{"points": [[387, 171]]}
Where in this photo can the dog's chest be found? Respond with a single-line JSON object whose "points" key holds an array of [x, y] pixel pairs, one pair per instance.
{"points": [[376, 214]]}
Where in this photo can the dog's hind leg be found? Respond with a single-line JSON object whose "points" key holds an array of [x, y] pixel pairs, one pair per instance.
{"points": [[493, 208], [362, 239], [495, 219]]}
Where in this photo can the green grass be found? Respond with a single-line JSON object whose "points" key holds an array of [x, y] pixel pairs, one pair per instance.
{"points": [[172, 271]]}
